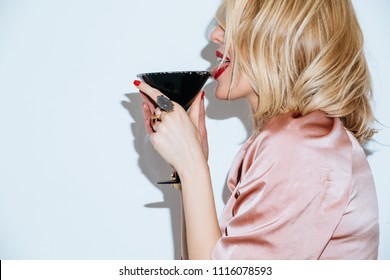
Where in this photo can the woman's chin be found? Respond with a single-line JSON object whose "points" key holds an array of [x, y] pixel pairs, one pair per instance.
{"points": [[222, 96], [220, 93]]}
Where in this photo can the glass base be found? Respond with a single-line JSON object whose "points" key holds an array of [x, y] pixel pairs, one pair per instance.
{"points": [[174, 182]]}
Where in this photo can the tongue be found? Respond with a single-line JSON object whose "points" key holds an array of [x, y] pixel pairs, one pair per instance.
{"points": [[217, 71]]}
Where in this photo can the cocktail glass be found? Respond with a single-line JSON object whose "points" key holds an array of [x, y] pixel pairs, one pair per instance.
{"points": [[181, 87]]}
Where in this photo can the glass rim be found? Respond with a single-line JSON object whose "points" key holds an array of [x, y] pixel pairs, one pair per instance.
{"points": [[203, 72]]}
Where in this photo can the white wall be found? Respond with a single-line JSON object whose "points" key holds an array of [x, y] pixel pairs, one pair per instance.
{"points": [[77, 171]]}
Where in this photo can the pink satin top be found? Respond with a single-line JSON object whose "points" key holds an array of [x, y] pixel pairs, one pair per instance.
{"points": [[301, 189]]}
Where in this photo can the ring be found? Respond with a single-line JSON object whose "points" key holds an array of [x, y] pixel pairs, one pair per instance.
{"points": [[156, 118], [164, 103], [156, 115]]}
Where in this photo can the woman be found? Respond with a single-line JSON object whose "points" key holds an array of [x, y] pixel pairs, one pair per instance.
{"points": [[301, 185]]}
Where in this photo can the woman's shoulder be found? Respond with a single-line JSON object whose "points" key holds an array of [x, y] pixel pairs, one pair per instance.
{"points": [[293, 148], [314, 143], [300, 154], [290, 134]]}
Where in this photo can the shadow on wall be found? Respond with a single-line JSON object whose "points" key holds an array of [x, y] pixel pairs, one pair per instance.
{"points": [[222, 110], [156, 169]]}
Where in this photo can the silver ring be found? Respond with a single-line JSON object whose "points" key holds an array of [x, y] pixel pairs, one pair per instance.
{"points": [[164, 103]]}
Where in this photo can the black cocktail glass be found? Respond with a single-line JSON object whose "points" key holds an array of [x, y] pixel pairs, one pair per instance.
{"points": [[181, 87]]}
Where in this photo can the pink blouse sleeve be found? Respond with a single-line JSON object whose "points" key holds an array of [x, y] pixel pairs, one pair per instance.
{"points": [[291, 196]]}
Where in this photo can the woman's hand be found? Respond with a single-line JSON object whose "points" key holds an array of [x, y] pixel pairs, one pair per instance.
{"points": [[176, 137], [197, 115]]}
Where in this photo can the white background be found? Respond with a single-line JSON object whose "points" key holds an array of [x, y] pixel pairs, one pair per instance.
{"points": [[77, 171]]}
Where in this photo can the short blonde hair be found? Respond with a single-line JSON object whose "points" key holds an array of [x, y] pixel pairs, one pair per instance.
{"points": [[301, 56]]}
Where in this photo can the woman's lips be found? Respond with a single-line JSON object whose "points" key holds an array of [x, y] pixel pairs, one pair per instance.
{"points": [[217, 71]]}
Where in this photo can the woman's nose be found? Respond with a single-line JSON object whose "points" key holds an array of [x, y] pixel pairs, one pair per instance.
{"points": [[217, 36]]}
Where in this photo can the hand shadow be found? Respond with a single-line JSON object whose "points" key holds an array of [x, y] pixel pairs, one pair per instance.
{"points": [[155, 168]]}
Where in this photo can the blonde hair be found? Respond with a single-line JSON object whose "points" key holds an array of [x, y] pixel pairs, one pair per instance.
{"points": [[301, 56]]}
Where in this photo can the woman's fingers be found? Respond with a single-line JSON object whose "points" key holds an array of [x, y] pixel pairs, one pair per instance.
{"points": [[148, 101], [148, 113], [148, 90], [198, 118], [148, 118], [149, 96]]}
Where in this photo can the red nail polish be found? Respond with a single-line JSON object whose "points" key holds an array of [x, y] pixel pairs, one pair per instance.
{"points": [[136, 83], [202, 95]]}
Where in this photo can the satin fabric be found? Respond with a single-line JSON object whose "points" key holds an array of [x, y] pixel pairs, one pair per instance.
{"points": [[301, 189]]}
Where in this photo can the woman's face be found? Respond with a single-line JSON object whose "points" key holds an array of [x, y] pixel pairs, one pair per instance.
{"points": [[223, 74]]}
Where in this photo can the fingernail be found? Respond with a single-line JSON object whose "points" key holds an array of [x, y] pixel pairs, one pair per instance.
{"points": [[202, 95], [136, 83]]}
